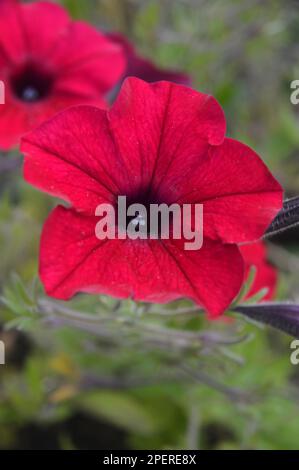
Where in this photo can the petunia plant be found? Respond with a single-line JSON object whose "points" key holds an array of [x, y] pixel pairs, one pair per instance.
{"points": [[159, 143]]}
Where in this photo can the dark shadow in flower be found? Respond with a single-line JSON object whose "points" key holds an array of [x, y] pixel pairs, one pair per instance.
{"points": [[31, 83]]}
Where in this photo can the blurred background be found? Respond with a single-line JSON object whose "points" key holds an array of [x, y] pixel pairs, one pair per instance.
{"points": [[144, 379]]}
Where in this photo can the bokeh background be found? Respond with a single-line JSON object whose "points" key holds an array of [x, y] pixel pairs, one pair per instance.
{"points": [[143, 379]]}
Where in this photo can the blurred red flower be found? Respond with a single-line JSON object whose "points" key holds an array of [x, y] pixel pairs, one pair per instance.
{"points": [[140, 67], [49, 62], [255, 254], [161, 143]]}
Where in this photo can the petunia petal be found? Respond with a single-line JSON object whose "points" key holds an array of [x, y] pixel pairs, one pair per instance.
{"points": [[45, 24], [73, 260], [12, 42], [72, 156], [87, 60], [13, 121], [16, 119], [161, 125], [213, 275], [32, 28], [240, 196]]}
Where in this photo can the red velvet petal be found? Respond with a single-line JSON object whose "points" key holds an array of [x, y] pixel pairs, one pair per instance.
{"points": [[17, 118], [44, 25], [13, 121], [255, 254], [163, 125], [12, 43], [87, 61], [73, 260], [72, 156], [239, 194]]}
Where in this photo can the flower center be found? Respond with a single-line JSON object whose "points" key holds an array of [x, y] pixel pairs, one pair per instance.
{"points": [[31, 83], [142, 219]]}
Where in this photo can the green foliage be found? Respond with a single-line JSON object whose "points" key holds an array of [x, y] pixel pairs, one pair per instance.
{"points": [[157, 374]]}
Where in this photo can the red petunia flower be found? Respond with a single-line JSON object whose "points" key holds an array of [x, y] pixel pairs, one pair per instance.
{"points": [[138, 66], [159, 143], [49, 62], [255, 254]]}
